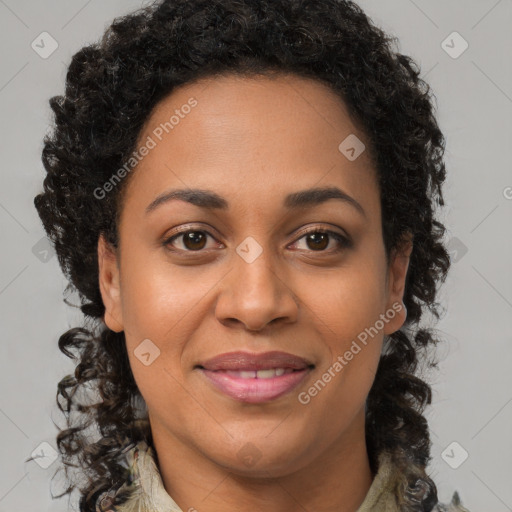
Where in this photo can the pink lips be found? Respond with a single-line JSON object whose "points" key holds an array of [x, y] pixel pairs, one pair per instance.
{"points": [[255, 378]]}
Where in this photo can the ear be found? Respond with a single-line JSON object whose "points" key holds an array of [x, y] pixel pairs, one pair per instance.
{"points": [[109, 285], [397, 273]]}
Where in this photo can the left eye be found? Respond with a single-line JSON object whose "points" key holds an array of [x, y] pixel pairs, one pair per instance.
{"points": [[317, 240]]}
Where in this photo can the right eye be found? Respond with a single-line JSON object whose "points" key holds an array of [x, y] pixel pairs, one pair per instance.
{"points": [[190, 240]]}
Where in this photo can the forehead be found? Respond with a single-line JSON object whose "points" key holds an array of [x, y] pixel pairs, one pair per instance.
{"points": [[249, 137]]}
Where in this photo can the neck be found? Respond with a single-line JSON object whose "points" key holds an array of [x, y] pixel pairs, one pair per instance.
{"points": [[337, 479]]}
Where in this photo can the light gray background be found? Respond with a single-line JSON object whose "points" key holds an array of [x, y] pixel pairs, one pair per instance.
{"points": [[473, 392]]}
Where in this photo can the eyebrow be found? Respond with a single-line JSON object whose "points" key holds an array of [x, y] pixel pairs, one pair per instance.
{"points": [[210, 200]]}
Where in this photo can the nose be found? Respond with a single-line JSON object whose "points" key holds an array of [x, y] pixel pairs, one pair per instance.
{"points": [[255, 295]]}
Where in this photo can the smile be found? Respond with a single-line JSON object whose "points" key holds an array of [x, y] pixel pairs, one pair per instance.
{"points": [[255, 386]]}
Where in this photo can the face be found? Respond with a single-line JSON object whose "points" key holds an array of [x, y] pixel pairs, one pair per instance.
{"points": [[279, 249]]}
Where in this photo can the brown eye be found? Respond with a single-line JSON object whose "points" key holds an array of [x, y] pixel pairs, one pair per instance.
{"points": [[194, 240], [318, 240], [191, 240]]}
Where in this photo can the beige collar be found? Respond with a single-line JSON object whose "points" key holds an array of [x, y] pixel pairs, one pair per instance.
{"points": [[149, 494]]}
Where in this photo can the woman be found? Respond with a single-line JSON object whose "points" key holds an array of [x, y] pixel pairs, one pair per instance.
{"points": [[244, 194]]}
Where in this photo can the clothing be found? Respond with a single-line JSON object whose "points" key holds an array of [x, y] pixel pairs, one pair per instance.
{"points": [[150, 494]]}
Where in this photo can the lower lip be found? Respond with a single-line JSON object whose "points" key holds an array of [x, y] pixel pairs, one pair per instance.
{"points": [[255, 390]]}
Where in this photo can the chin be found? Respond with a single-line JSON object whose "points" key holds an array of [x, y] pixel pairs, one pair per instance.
{"points": [[262, 458]]}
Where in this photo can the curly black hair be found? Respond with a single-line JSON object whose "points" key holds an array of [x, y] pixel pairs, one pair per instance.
{"points": [[110, 91]]}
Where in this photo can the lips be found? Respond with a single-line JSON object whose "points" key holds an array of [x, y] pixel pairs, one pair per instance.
{"points": [[245, 361], [255, 378]]}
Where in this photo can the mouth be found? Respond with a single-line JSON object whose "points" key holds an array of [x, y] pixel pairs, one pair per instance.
{"points": [[255, 378], [268, 373]]}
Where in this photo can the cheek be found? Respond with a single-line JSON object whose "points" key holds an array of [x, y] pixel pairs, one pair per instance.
{"points": [[163, 304], [347, 309], [346, 302], [157, 297], [160, 305]]}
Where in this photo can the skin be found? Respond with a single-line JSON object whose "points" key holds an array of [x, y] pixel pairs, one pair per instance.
{"points": [[253, 141]]}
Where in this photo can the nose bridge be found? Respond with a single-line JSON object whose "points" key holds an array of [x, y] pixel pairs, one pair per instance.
{"points": [[253, 292], [254, 270]]}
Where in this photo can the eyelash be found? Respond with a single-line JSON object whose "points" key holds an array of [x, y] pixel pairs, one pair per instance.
{"points": [[344, 242]]}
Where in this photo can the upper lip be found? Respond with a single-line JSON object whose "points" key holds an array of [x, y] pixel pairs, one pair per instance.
{"points": [[247, 361]]}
